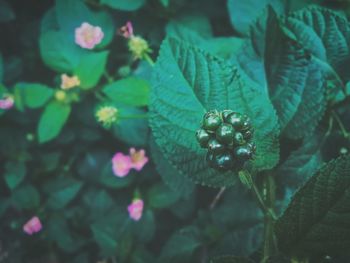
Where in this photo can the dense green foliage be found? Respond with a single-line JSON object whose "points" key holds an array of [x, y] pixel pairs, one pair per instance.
{"points": [[99, 159]]}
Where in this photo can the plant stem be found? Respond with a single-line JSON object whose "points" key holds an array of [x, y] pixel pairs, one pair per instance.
{"points": [[217, 198], [345, 133], [108, 77], [149, 60], [270, 244]]}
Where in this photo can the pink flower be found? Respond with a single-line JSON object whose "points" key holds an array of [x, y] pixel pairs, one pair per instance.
{"points": [[138, 159], [135, 209], [88, 36], [7, 102], [121, 164], [126, 31], [32, 226]]}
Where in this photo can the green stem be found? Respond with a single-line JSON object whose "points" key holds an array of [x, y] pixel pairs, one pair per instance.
{"points": [[345, 133], [270, 243], [149, 59], [217, 198], [108, 77]]}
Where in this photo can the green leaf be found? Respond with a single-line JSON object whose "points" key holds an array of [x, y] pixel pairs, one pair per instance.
{"points": [[90, 68], [6, 12], [52, 120], [32, 95], [160, 196], [181, 245], [134, 131], [59, 231], [171, 177], [244, 13], [108, 178], [99, 203], [62, 191], [124, 5], [14, 173], [296, 84], [301, 164], [129, 91], [58, 52], [26, 197], [324, 33], [230, 259], [145, 228], [317, 219], [187, 83]]}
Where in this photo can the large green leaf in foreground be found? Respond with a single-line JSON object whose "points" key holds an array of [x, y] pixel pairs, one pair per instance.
{"points": [[317, 221], [187, 83]]}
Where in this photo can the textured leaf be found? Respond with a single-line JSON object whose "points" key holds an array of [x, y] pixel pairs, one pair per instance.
{"points": [[125, 5], [52, 120], [32, 95], [296, 84], [317, 219], [244, 13], [187, 83], [325, 34], [176, 181], [129, 91]]}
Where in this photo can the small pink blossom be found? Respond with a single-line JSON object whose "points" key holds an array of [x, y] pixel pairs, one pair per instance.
{"points": [[121, 164], [127, 30], [88, 36], [7, 102], [32, 226], [138, 159], [135, 209]]}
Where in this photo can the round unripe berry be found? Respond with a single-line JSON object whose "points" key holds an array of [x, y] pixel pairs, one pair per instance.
{"points": [[211, 121], [225, 133], [238, 139], [236, 120], [224, 161], [225, 114], [248, 134], [243, 153], [247, 124], [214, 146], [202, 137]]}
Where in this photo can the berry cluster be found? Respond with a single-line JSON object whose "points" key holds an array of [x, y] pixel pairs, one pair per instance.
{"points": [[228, 137]]}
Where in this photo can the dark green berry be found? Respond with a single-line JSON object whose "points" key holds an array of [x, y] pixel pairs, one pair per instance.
{"points": [[248, 134], [225, 114], [215, 146], [224, 161], [243, 153], [211, 121], [236, 120], [202, 137], [247, 124], [225, 133], [238, 139]]}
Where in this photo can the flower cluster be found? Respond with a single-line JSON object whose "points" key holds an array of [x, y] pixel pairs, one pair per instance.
{"points": [[138, 46], [135, 209], [122, 164], [69, 82], [88, 36], [228, 137], [107, 115], [32, 226], [7, 102]]}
